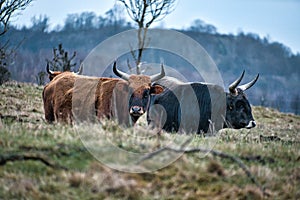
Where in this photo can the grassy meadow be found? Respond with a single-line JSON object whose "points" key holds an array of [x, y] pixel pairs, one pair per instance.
{"points": [[49, 161]]}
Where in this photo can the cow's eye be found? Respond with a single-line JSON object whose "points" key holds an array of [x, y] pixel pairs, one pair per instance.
{"points": [[239, 105], [146, 93]]}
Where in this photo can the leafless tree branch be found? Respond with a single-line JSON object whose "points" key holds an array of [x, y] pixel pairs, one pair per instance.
{"points": [[61, 60], [144, 13], [7, 9]]}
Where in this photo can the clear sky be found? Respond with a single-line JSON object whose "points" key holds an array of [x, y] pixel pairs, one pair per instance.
{"points": [[279, 20]]}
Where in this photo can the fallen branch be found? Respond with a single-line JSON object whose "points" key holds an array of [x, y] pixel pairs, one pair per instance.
{"points": [[275, 138], [214, 153], [58, 150], [269, 138], [258, 158], [22, 157]]}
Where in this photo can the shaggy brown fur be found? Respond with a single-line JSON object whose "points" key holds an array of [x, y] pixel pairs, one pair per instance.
{"points": [[113, 97], [56, 95], [69, 95]]}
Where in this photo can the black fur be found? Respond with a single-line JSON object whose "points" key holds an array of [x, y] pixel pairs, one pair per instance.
{"points": [[237, 107]]}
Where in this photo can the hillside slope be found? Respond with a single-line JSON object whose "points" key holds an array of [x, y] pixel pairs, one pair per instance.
{"points": [[278, 67], [63, 168]]}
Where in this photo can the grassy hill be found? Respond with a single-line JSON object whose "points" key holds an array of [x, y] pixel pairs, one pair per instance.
{"points": [[40, 160]]}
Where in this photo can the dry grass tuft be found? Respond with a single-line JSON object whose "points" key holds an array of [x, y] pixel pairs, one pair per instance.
{"points": [[215, 167], [76, 179]]}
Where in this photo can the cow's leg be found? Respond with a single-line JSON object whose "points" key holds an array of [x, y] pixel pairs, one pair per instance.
{"points": [[49, 115]]}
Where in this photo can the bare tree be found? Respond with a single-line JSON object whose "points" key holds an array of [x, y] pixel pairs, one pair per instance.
{"points": [[7, 9], [4, 60], [61, 60], [144, 13]]}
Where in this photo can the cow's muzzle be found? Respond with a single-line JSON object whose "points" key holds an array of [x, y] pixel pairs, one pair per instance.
{"points": [[251, 124], [136, 111]]}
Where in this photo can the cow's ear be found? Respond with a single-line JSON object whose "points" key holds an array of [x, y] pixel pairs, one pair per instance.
{"points": [[156, 89]]}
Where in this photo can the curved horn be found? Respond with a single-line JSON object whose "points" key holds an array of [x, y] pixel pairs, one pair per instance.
{"points": [[233, 85], [80, 70], [156, 77], [250, 84], [48, 69], [120, 74]]}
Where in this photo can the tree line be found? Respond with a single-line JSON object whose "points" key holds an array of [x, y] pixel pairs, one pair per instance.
{"points": [[279, 68]]}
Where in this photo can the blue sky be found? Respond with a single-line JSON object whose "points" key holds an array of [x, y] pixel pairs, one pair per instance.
{"points": [[279, 20]]}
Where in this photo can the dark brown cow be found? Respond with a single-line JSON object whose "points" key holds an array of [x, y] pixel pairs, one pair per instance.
{"points": [[56, 98], [53, 74], [138, 90], [56, 95], [111, 98]]}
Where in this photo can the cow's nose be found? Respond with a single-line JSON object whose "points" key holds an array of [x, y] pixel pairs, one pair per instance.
{"points": [[251, 124], [136, 109]]}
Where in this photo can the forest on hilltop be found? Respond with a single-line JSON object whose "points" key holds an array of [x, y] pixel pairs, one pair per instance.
{"points": [[278, 67]]}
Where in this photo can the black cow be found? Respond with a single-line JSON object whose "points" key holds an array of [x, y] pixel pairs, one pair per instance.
{"points": [[200, 107]]}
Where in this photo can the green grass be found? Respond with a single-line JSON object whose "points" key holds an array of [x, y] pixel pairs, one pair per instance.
{"points": [[271, 151]]}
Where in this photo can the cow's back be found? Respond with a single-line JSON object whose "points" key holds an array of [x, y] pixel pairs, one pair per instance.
{"points": [[83, 98], [189, 108]]}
